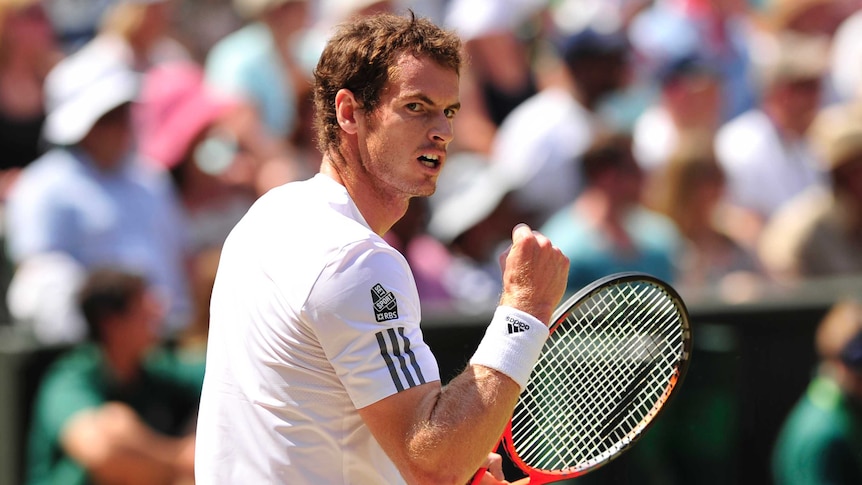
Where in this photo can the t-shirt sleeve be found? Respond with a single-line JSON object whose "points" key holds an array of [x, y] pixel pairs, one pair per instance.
{"points": [[365, 310]]}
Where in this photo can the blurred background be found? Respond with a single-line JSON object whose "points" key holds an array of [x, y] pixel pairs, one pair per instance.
{"points": [[716, 144]]}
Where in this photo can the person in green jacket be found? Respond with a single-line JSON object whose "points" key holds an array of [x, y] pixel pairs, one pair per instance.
{"points": [[119, 408], [820, 442]]}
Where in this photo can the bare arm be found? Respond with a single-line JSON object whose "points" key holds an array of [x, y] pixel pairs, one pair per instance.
{"points": [[115, 446], [443, 435]]}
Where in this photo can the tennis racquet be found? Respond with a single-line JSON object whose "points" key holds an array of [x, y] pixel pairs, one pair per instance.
{"points": [[617, 351]]}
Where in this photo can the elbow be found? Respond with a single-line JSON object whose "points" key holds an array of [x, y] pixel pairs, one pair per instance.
{"points": [[441, 476], [438, 469]]}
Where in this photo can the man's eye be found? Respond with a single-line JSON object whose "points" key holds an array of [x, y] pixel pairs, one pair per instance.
{"points": [[413, 107], [450, 113]]}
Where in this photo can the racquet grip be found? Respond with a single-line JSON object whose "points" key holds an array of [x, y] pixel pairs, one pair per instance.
{"points": [[477, 478]]}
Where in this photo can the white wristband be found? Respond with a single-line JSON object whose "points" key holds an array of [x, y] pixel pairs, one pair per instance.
{"points": [[512, 344]]}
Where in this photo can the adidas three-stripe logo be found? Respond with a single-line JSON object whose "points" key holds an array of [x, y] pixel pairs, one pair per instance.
{"points": [[400, 360], [516, 325]]}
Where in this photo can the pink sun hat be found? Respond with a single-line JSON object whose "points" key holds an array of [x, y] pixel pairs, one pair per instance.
{"points": [[175, 106]]}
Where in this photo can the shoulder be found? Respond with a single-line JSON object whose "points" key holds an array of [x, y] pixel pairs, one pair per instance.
{"points": [[75, 372], [749, 125], [743, 138], [56, 166], [546, 106]]}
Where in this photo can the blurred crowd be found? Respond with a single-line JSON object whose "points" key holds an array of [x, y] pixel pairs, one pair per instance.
{"points": [[713, 143], [716, 144]]}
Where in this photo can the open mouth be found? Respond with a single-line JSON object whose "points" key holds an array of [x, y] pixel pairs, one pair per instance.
{"points": [[430, 161]]}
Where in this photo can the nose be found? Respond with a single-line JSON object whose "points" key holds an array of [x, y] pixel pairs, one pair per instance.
{"points": [[442, 129]]}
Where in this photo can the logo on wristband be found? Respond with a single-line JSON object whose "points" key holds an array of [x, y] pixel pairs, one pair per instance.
{"points": [[515, 325]]}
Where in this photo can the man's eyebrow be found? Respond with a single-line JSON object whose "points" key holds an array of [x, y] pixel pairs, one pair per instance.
{"points": [[425, 99]]}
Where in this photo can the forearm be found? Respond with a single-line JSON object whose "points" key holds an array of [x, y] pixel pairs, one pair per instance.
{"points": [[464, 423], [115, 446]]}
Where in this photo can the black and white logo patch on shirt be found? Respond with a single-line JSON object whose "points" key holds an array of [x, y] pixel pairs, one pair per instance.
{"points": [[385, 306]]}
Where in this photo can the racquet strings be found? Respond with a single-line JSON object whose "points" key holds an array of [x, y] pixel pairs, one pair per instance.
{"points": [[604, 372]]}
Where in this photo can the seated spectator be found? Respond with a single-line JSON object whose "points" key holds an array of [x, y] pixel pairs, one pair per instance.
{"points": [[90, 197], [118, 409], [538, 145], [27, 52], [472, 214], [500, 74], [260, 62], [844, 61], [719, 30], [819, 233], [607, 229], [689, 101], [764, 152], [819, 440], [215, 147], [689, 189], [139, 34]]}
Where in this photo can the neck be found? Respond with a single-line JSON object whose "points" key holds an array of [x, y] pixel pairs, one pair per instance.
{"points": [[600, 207], [380, 211], [125, 365]]}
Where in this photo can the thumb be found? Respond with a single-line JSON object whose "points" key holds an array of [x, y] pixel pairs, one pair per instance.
{"points": [[521, 231]]}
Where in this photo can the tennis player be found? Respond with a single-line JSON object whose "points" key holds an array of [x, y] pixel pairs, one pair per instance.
{"points": [[317, 372]]}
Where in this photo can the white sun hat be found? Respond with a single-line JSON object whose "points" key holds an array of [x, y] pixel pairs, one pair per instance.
{"points": [[82, 88]]}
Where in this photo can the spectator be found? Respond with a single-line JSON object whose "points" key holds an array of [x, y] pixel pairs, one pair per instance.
{"points": [[27, 53], [819, 440], [607, 229], [819, 232], [138, 33], [500, 74], [260, 62], [808, 17], [689, 101], [90, 197], [846, 58], [214, 146], [764, 152], [538, 145], [118, 409], [328, 15], [816, 18], [472, 213], [690, 191], [718, 30]]}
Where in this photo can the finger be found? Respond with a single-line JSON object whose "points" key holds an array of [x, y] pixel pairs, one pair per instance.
{"points": [[503, 257], [495, 466], [521, 231]]}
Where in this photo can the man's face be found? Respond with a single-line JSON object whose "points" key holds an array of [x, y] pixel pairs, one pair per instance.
{"points": [[799, 101], [403, 141]]}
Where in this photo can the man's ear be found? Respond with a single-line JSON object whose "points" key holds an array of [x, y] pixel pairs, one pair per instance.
{"points": [[346, 108]]}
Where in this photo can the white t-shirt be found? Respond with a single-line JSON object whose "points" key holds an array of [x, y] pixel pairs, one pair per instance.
{"points": [[764, 172], [313, 316], [538, 149]]}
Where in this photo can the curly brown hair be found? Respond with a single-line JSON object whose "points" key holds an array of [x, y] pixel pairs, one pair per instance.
{"points": [[361, 57]]}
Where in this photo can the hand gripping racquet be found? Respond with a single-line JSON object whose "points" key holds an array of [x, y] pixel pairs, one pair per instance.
{"points": [[617, 351]]}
